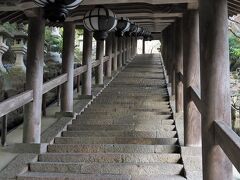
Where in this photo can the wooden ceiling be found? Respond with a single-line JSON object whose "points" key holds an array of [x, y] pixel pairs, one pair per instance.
{"points": [[155, 15]]}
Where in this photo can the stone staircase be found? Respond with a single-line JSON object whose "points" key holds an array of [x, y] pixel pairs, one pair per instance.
{"points": [[127, 133]]}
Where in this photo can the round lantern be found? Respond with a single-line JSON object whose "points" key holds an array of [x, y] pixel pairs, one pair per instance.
{"points": [[133, 28], [101, 21], [57, 10], [123, 26]]}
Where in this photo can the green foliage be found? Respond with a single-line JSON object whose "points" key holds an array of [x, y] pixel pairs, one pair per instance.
{"points": [[234, 50], [54, 42]]}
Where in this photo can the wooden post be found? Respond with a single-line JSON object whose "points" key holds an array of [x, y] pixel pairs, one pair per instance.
{"points": [[120, 52], [109, 53], [59, 96], [44, 104], [34, 78], [4, 131], [215, 85], [127, 50], [143, 46], [179, 67], [78, 83], [68, 66], [115, 50], [87, 60], [132, 46], [191, 71], [123, 50], [173, 70], [99, 70]]}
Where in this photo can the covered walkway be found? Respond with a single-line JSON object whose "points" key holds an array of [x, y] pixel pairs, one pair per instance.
{"points": [[128, 132], [132, 129]]}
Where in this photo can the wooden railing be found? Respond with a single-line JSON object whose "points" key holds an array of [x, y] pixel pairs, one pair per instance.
{"points": [[20, 100], [224, 136], [229, 141]]}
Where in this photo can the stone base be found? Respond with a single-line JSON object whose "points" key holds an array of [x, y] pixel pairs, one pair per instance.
{"points": [[98, 86], [30, 148], [64, 114], [85, 97]]}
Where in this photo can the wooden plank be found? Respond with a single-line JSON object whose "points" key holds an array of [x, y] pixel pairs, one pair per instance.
{"points": [[54, 83], [78, 71], [196, 98], [229, 141], [15, 102]]}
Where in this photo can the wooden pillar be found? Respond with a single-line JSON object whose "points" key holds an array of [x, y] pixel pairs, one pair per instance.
{"points": [[179, 67], [115, 50], [128, 48], [173, 60], [143, 46], [87, 60], [191, 71], [68, 66], [109, 53], [215, 85], [99, 69], [120, 52], [123, 50], [132, 47], [34, 78]]}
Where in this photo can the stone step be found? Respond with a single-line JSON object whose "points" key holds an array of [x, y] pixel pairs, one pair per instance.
{"points": [[149, 115], [68, 176], [116, 121], [159, 177], [108, 168], [139, 127], [109, 158], [121, 133], [165, 110], [112, 148], [115, 140]]}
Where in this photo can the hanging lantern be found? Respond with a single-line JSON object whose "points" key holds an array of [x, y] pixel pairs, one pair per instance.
{"points": [[140, 31], [101, 21], [133, 28], [57, 10], [123, 26]]}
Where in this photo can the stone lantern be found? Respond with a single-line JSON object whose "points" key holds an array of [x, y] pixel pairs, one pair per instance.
{"points": [[3, 47], [20, 49], [16, 78]]}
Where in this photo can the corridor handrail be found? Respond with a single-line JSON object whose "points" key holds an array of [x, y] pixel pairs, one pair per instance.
{"points": [[17, 101], [229, 141]]}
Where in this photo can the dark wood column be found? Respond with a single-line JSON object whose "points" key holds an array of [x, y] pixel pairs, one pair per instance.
{"points": [[99, 56], [173, 60], [124, 50], [34, 78], [215, 85], [68, 66], [143, 46], [129, 48], [120, 52], [115, 51], [109, 53], [179, 66], [87, 60], [191, 71]]}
